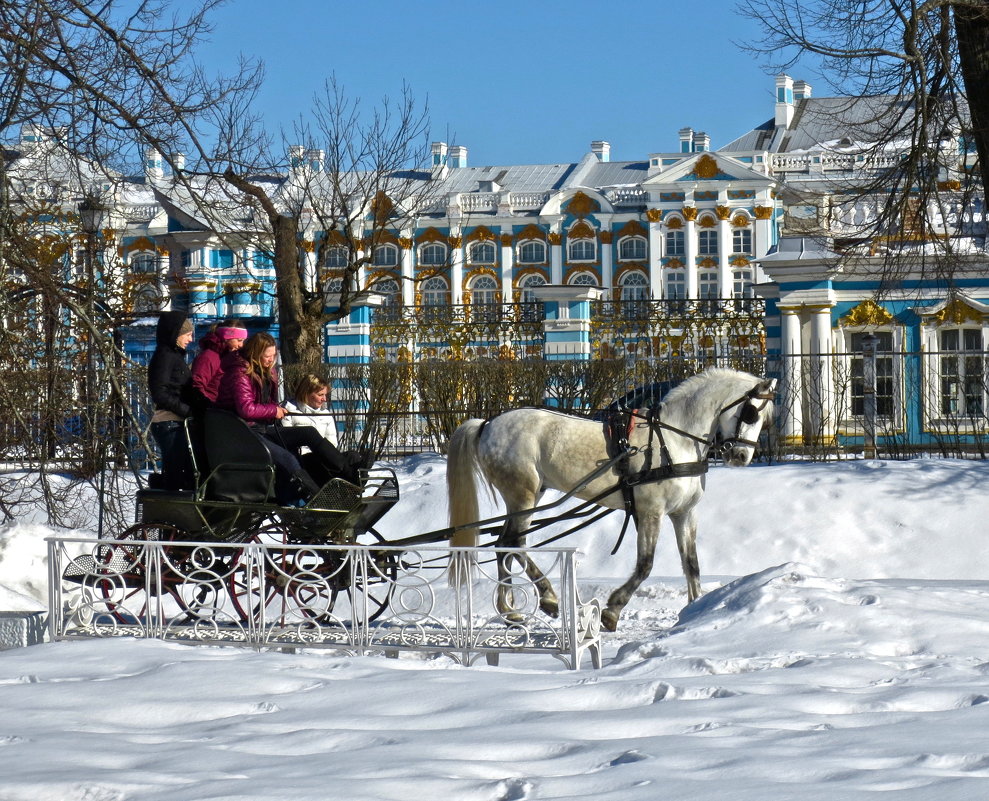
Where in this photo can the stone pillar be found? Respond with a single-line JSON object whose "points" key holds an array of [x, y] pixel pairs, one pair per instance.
{"points": [[607, 254], [567, 326], [655, 235], [762, 230], [822, 409], [690, 251], [456, 270], [725, 283], [507, 264], [556, 258], [407, 284], [791, 393]]}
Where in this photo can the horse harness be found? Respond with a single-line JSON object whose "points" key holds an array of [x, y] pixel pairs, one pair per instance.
{"points": [[619, 426]]}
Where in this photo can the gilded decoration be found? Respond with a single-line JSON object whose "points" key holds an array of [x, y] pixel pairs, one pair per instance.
{"points": [[867, 313], [739, 261], [955, 312], [141, 243], [654, 215], [708, 262], [382, 207], [506, 240], [741, 194], [531, 231], [477, 272], [308, 245], [705, 195], [383, 236], [581, 205], [707, 221], [706, 167], [431, 235], [585, 268], [723, 212], [671, 197], [634, 228], [483, 234], [764, 212], [454, 241], [334, 237], [689, 213], [675, 223], [555, 239], [674, 264], [740, 220], [953, 185], [606, 237], [581, 231], [405, 242]]}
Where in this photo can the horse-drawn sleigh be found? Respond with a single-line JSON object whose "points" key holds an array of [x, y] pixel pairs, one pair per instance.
{"points": [[654, 467]]}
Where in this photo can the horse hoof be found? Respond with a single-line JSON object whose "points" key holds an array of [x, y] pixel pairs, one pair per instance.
{"points": [[513, 618], [609, 620], [550, 606]]}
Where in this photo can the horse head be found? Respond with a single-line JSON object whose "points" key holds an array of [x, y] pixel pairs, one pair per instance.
{"points": [[741, 421]]}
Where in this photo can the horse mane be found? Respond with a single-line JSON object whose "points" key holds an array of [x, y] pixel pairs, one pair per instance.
{"points": [[691, 387]]}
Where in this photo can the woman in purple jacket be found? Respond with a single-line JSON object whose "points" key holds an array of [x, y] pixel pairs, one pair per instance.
{"points": [[249, 388], [207, 366]]}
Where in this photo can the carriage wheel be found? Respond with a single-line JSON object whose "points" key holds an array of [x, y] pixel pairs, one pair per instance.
{"points": [[121, 580]]}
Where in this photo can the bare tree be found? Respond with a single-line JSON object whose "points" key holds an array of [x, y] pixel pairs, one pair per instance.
{"points": [[916, 75], [359, 174]]}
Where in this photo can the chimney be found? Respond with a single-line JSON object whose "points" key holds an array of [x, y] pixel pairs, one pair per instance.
{"points": [[686, 140], [178, 162], [154, 166], [702, 142], [439, 154], [784, 101], [801, 90], [457, 156], [296, 156], [314, 159], [601, 149]]}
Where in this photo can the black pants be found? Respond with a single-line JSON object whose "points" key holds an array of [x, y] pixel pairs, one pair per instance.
{"points": [[328, 460], [176, 465]]}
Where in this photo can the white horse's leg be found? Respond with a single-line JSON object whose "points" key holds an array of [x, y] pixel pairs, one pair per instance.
{"points": [[513, 536], [685, 526], [647, 534]]}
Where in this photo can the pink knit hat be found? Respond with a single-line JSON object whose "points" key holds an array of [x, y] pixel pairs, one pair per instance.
{"points": [[230, 332]]}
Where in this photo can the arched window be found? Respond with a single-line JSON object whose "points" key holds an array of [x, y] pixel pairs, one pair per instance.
{"points": [[527, 284], [635, 294], [389, 289], [334, 286], [481, 253], [147, 299], [144, 263], [675, 244], [581, 250], [385, 256], [962, 372], [335, 258], [741, 283], [484, 289], [435, 292], [632, 248], [583, 279], [532, 252], [432, 255]]}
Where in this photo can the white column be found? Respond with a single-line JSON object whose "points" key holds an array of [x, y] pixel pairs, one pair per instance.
{"points": [[655, 259], [822, 401], [762, 235], [791, 394], [456, 270], [408, 273], [556, 259], [607, 253], [690, 248], [724, 250], [507, 263], [309, 277]]}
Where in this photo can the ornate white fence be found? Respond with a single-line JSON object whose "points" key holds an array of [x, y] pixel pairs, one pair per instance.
{"points": [[358, 599]]}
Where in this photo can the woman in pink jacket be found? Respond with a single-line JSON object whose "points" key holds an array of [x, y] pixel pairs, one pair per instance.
{"points": [[207, 366], [249, 388]]}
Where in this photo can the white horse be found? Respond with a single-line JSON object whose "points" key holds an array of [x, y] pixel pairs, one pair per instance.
{"points": [[522, 453]]}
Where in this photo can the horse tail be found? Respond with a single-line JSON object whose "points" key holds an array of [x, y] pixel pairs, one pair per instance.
{"points": [[462, 472]]}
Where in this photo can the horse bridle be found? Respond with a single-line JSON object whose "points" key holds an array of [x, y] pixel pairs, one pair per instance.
{"points": [[748, 416]]}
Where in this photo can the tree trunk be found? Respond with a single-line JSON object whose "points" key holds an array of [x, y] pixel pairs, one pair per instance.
{"points": [[301, 331], [972, 32]]}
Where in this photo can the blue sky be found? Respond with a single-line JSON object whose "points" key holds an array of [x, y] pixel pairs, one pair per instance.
{"points": [[515, 82]]}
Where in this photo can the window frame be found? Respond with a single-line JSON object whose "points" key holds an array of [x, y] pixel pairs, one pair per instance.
{"points": [[638, 241], [890, 365], [531, 244], [582, 249]]}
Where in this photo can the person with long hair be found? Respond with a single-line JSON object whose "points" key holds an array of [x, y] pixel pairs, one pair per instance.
{"points": [[249, 388]]}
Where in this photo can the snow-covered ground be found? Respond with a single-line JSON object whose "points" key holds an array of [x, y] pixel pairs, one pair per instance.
{"points": [[841, 649]]}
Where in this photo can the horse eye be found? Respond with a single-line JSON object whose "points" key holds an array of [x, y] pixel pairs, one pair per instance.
{"points": [[750, 415]]}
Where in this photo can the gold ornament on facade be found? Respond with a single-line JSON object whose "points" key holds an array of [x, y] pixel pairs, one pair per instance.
{"points": [[708, 262], [674, 264], [454, 241], [956, 312], [867, 313], [506, 240], [483, 234], [581, 231], [763, 212], [740, 221], [581, 205], [634, 227], [706, 167], [707, 221], [381, 207], [308, 245], [739, 261], [654, 215], [141, 243], [606, 237], [723, 212], [431, 235], [531, 231], [674, 223], [555, 239], [405, 243], [689, 213]]}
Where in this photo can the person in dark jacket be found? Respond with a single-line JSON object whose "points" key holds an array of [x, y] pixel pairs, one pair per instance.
{"points": [[207, 367], [174, 399], [249, 388]]}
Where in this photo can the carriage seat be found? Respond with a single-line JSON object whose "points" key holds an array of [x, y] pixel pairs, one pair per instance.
{"points": [[238, 467]]}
